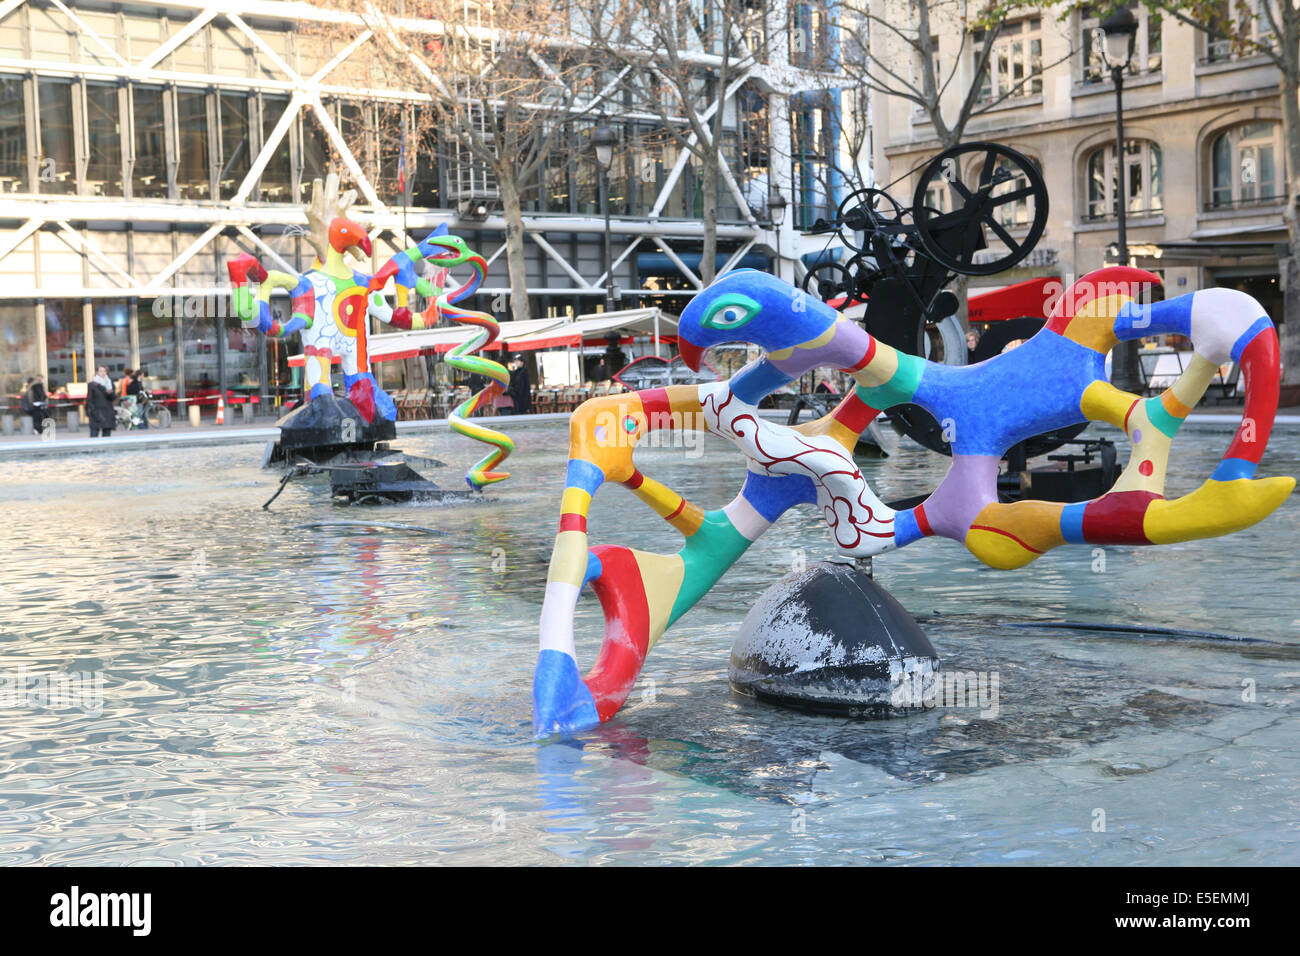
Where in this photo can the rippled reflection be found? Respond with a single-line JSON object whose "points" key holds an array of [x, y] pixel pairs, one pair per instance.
{"points": [[338, 694]]}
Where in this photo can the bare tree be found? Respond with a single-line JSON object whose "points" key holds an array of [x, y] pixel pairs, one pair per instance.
{"points": [[892, 48], [498, 83], [679, 61]]}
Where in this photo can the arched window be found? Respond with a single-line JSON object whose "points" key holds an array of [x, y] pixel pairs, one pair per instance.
{"points": [[1142, 180], [1245, 165]]}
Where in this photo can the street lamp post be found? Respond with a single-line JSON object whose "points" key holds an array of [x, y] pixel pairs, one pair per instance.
{"points": [[776, 207], [603, 139], [1120, 30]]}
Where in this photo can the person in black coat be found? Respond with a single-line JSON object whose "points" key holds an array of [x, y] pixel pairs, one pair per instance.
{"points": [[37, 403], [521, 388], [99, 404]]}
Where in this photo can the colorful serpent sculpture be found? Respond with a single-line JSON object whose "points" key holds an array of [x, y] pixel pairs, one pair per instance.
{"points": [[330, 303], [1055, 379], [447, 252]]}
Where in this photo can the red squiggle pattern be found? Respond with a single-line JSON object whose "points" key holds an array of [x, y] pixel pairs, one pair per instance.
{"points": [[848, 505]]}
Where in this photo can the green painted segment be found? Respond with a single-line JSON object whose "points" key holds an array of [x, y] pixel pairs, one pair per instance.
{"points": [[1161, 418], [708, 555], [899, 389], [245, 304]]}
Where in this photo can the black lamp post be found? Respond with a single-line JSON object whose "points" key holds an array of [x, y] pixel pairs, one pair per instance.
{"points": [[1120, 30], [776, 207], [603, 140]]}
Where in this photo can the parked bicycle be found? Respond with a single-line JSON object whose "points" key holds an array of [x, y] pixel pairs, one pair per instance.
{"points": [[133, 411]]}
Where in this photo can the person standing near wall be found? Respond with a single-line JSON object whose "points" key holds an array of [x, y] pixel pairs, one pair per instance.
{"points": [[36, 403], [99, 404], [521, 388]]}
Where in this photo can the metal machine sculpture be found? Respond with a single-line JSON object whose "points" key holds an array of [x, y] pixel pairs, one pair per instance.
{"points": [[904, 259]]}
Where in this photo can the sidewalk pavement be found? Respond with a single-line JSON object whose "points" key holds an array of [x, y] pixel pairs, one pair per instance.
{"points": [[1224, 418]]}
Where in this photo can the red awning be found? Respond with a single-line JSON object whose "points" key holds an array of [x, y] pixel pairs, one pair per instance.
{"points": [[1029, 299]]}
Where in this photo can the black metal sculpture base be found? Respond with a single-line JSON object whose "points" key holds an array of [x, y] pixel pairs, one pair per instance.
{"points": [[325, 427], [328, 436], [829, 640]]}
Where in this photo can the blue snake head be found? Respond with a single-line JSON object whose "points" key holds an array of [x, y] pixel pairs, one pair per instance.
{"points": [[750, 306]]}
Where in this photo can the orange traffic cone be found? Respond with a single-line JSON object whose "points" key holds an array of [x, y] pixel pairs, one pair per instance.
{"points": [[221, 409]]}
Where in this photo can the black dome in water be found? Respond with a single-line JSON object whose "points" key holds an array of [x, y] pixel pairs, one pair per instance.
{"points": [[828, 639]]}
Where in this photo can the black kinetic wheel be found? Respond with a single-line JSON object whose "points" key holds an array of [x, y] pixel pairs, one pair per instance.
{"points": [[831, 282], [868, 211], [1001, 196]]}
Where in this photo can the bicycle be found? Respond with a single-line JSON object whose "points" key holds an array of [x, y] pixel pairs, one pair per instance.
{"points": [[137, 410]]}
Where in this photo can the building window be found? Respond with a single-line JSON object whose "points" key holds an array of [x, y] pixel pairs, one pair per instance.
{"points": [[818, 178], [57, 167], [1148, 54], [276, 181], [104, 140], [1015, 66], [1247, 25], [236, 147], [13, 135], [112, 324], [422, 169], [18, 355], [149, 116], [1244, 166], [314, 155], [157, 343], [192, 159], [65, 340], [1142, 180]]}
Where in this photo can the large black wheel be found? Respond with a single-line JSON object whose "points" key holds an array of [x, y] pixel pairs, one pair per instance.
{"points": [[868, 211], [1002, 197], [831, 282]]}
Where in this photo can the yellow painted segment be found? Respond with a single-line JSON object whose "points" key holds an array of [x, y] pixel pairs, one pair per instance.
{"points": [[880, 369], [576, 501], [816, 343], [689, 520], [1027, 527], [836, 430], [1093, 325], [684, 400], [662, 576], [1103, 402], [1151, 445], [1036, 523], [658, 496], [1191, 385], [1215, 508], [997, 550], [568, 559]]}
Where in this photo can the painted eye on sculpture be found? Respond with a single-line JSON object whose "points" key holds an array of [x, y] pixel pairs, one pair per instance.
{"points": [[730, 312]]}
